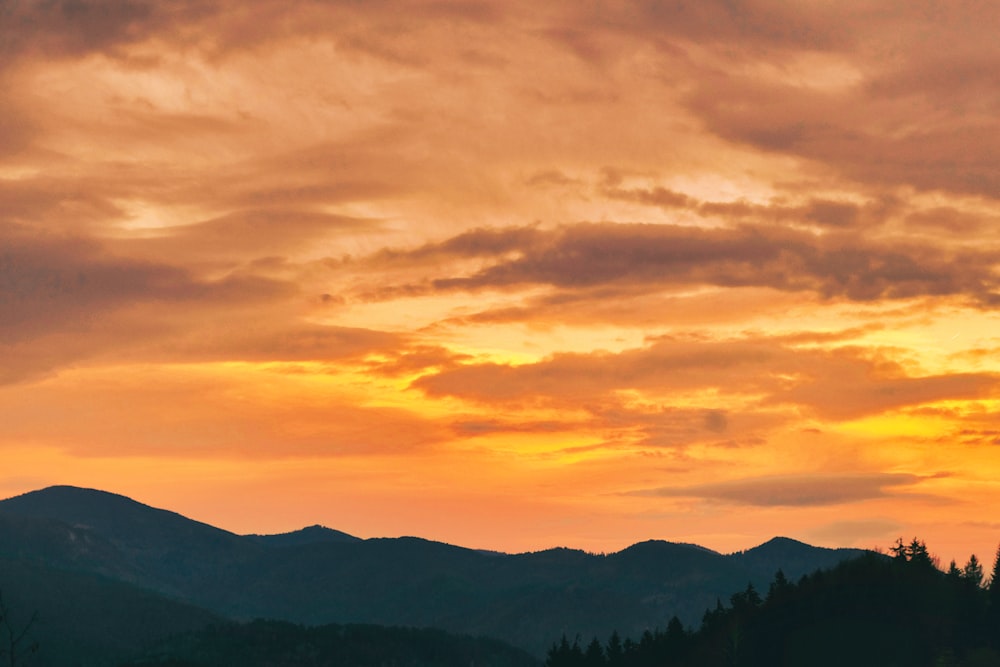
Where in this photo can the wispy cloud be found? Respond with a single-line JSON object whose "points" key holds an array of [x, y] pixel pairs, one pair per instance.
{"points": [[792, 490]]}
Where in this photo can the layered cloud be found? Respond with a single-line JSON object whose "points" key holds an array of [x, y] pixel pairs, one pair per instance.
{"points": [[661, 256], [839, 384]]}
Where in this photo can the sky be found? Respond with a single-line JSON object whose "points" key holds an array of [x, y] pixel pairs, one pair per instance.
{"points": [[509, 274]]}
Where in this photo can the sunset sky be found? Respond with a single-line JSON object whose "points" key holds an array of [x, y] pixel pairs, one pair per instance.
{"points": [[509, 274]]}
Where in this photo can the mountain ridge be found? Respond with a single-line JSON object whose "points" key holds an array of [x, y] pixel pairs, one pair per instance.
{"points": [[318, 575], [317, 532]]}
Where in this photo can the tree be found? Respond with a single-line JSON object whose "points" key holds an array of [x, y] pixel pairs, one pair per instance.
{"points": [[779, 587], [899, 551], [973, 571], [12, 637], [994, 583], [615, 651], [917, 554], [594, 655], [993, 597]]}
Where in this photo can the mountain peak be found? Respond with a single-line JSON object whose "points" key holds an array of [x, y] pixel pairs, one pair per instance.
{"points": [[784, 543], [118, 517], [71, 504]]}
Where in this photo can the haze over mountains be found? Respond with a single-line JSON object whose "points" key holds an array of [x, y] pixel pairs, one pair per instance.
{"points": [[96, 542]]}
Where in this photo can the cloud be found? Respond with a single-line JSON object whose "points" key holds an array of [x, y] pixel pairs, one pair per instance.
{"points": [[61, 28], [247, 234], [818, 211], [191, 412], [635, 306], [811, 490], [278, 342], [856, 532], [747, 24], [923, 116], [407, 360], [50, 284], [587, 255], [839, 384]]}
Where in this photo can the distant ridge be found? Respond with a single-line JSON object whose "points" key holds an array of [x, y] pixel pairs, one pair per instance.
{"points": [[318, 575]]}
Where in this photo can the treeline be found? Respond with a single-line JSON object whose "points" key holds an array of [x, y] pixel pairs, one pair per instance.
{"points": [[265, 643], [885, 610]]}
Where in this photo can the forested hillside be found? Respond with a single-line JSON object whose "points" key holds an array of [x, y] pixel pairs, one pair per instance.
{"points": [[273, 643], [876, 610]]}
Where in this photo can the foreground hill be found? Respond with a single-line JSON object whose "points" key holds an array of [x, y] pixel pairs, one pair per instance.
{"points": [[268, 643], [319, 576], [86, 619]]}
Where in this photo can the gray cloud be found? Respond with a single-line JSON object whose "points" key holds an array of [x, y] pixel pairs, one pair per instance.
{"points": [[586, 255], [59, 28]]}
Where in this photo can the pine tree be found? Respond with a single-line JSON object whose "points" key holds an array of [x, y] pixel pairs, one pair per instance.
{"points": [[917, 554], [898, 551], [594, 655], [994, 583], [973, 571], [779, 587], [993, 595], [615, 652]]}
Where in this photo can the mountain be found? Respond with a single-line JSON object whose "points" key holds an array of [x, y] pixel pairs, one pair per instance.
{"points": [[127, 540], [318, 575], [309, 535]]}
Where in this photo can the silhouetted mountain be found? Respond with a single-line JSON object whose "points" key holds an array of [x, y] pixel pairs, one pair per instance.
{"points": [[308, 535], [130, 541], [318, 575], [791, 556]]}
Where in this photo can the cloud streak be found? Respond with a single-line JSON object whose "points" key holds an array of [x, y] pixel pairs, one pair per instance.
{"points": [[814, 490], [587, 255]]}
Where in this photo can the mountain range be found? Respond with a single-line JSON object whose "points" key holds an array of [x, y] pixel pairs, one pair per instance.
{"points": [[102, 547]]}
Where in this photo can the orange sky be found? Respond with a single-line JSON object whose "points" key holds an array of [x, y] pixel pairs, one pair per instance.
{"points": [[509, 274]]}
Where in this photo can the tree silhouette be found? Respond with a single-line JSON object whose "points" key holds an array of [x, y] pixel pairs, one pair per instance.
{"points": [[13, 638], [973, 571]]}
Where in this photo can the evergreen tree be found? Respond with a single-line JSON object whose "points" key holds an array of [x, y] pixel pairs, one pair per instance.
{"points": [[560, 655], [615, 651], [594, 655], [899, 551], [994, 583], [993, 601], [973, 571], [917, 554], [779, 587]]}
